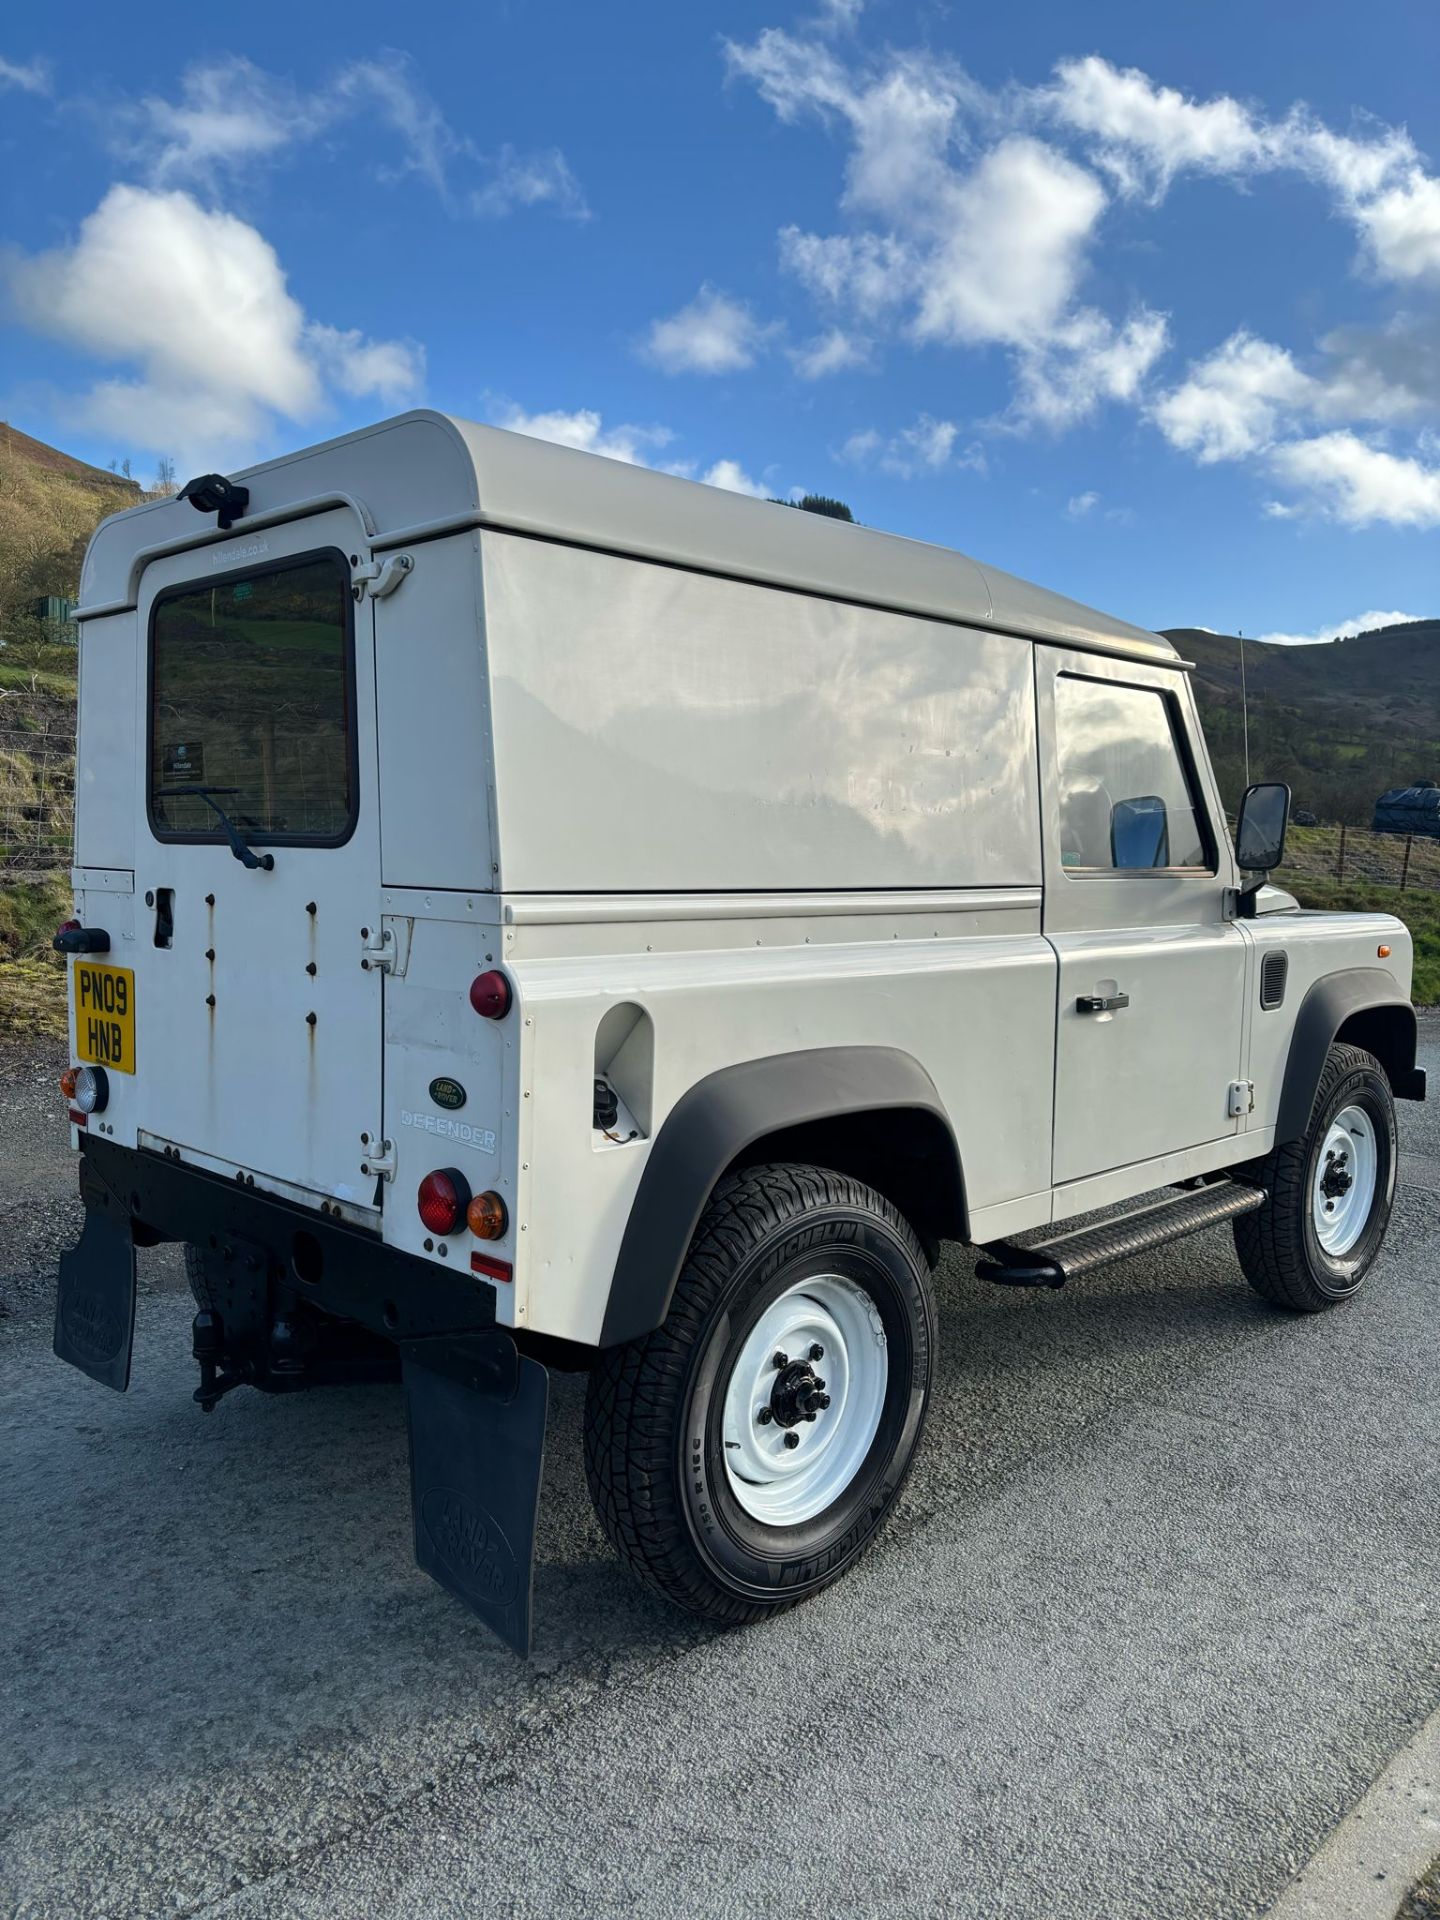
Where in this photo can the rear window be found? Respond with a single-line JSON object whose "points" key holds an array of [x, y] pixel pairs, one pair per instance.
{"points": [[252, 698]]}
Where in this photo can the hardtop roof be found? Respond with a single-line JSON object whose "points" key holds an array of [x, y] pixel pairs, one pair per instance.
{"points": [[423, 473]]}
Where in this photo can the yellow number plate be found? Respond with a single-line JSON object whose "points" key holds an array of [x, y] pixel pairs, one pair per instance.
{"points": [[105, 1016]]}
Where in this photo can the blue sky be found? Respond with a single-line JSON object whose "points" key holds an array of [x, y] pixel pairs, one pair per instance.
{"points": [[1140, 302]]}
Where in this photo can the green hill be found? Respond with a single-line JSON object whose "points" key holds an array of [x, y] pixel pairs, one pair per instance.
{"points": [[1340, 721]]}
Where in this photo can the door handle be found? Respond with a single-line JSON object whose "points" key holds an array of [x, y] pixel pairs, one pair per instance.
{"points": [[1101, 1002]]}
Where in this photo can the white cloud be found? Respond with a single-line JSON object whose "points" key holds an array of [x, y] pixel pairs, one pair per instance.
{"points": [[1084, 362], [197, 301], [585, 430], [731, 477], [1402, 228], [1229, 404], [1337, 630], [831, 352], [529, 180], [1011, 250], [927, 446], [871, 272], [713, 334], [26, 76], [1086, 506], [1342, 477], [1146, 134], [231, 114], [970, 218], [393, 370], [949, 248], [839, 16], [1250, 399]]}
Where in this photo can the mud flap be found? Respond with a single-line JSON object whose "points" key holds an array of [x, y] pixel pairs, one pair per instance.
{"points": [[95, 1297], [477, 1409]]}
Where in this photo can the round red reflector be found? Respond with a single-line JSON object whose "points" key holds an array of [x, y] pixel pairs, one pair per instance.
{"points": [[490, 995], [444, 1196]]}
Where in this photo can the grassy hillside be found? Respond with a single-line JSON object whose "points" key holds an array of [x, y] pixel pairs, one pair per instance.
{"points": [[49, 507], [1340, 721]]}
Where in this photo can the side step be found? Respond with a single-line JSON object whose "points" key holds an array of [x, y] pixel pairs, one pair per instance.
{"points": [[1071, 1254]]}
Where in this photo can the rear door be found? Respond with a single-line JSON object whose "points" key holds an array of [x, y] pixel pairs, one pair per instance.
{"points": [[1149, 1024], [258, 1032]]}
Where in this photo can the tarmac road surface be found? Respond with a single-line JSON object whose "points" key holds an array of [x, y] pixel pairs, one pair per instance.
{"points": [[1162, 1598]]}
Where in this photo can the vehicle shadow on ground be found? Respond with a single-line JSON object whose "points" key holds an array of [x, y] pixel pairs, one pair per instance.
{"points": [[260, 1558]]}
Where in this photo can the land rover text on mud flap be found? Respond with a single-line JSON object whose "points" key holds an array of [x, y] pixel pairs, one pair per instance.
{"points": [[534, 912]]}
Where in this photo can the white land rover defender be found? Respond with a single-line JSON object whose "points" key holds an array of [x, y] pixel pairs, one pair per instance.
{"points": [[533, 912]]}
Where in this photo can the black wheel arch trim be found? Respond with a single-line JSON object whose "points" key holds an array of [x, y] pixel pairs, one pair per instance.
{"points": [[718, 1119], [1383, 1021]]}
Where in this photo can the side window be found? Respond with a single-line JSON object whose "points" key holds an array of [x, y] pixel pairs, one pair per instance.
{"points": [[1126, 798]]}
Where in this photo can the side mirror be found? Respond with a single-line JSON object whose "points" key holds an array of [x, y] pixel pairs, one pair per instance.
{"points": [[1260, 835]]}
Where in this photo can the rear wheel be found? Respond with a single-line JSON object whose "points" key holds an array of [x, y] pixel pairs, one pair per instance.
{"points": [[744, 1455], [1331, 1192]]}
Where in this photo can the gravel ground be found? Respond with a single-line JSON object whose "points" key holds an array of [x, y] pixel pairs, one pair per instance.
{"points": [[1161, 1599]]}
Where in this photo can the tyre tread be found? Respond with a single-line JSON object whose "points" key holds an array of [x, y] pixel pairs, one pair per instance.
{"points": [[637, 1391]]}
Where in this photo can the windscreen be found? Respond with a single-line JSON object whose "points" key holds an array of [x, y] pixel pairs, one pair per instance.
{"points": [[251, 692]]}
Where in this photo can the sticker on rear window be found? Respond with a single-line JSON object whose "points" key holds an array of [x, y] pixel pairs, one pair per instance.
{"points": [[183, 761]]}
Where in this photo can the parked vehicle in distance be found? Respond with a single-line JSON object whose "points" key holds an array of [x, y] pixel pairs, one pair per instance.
{"points": [[534, 912], [1412, 809]]}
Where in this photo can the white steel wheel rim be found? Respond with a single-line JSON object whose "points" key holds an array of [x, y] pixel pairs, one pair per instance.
{"points": [[1342, 1192], [783, 1485]]}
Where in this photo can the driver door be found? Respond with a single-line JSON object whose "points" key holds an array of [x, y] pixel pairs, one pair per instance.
{"points": [[1150, 1017]]}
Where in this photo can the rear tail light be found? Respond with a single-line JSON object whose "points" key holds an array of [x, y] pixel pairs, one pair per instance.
{"points": [[443, 1198], [487, 1216], [67, 1082], [92, 1089], [491, 995]]}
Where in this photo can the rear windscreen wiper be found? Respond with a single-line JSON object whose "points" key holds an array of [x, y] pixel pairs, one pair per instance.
{"points": [[238, 845]]}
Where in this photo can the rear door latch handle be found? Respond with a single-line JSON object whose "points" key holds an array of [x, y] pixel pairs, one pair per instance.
{"points": [[1101, 1002]]}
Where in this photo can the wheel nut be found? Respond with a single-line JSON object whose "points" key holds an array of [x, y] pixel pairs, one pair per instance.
{"points": [[781, 1361], [817, 1352], [823, 1401], [764, 1416], [810, 1415], [792, 1439]]}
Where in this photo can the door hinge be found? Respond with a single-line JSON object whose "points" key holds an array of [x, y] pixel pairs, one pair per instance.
{"points": [[379, 1156], [1242, 1098], [390, 953], [380, 577]]}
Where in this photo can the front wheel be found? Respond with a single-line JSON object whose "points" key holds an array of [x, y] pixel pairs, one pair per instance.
{"points": [[1331, 1191], [746, 1453]]}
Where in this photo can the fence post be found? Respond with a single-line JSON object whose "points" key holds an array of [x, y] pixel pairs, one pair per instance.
{"points": [[1340, 864], [1405, 863]]}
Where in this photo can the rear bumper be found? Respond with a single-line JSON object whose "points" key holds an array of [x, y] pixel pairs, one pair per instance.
{"points": [[336, 1268]]}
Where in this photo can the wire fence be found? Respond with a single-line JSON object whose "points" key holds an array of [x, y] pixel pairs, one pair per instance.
{"points": [[1347, 854], [37, 783]]}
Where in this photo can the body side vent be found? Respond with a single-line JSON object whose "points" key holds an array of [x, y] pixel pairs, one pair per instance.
{"points": [[1273, 970]]}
